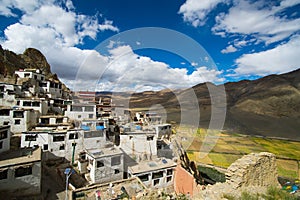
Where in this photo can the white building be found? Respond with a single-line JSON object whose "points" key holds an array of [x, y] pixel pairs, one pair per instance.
{"points": [[34, 74], [52, 88], [140, 145], [157, 173], [19, 119], [20, 173], [8, 94], [63, 143], [4, 138], [163, 131], [104, 165], [81, 111], [40, 105]]}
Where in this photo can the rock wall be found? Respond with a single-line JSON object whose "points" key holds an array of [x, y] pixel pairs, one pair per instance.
{"points": [[253, 173], [255, 169]]}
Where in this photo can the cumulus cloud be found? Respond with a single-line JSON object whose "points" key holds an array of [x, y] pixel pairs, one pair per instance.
{"points": [[127, 71], [260, 19], [195, 11], [229, 49], [282, 58]]}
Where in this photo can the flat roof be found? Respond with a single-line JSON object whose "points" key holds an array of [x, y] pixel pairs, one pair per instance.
{"points": [[20, 156], [133, 187], [153, 165], [104, 152]]}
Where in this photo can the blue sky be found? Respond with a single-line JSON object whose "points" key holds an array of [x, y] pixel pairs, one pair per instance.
{"points": [[87, 45]]}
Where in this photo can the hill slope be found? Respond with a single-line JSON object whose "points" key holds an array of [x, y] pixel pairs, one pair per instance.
{"points": [[269, 106]]}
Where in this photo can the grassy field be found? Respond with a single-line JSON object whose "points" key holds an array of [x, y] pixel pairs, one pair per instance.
{"points": [[222, 149]]}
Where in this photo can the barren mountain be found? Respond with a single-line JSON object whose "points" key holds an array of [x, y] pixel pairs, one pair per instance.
{"points": [[269, 106]]}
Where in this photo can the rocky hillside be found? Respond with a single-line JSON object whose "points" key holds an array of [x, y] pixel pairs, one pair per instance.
{"points": [[31, 58], [269, 106]]}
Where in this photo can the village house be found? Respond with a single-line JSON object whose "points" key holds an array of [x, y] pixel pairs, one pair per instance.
{"points": [[102, 164], [4, 138], [80, 112], [20, 119], [34, 74], [157, 173], [139, 144], [9, 93], [52, 88], [20, 173], [38, 104]]}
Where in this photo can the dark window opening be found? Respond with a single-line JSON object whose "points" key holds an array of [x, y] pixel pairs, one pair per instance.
{"points": [[144, 177], [149, 138], [156, 182], [30, 137], [4, 112], [45, 147], [18, 114], [1, 95], [36, 104], [73, 136], [17, 121], [5, 122], [117, 171], [3, 135], [157, 174], [100, 163], [23, 171], [62, 147], [45, 120], [1, 144], [169, 179], [169, 171], [58, 138], [3, 174], [26, 103], [59, 120]]}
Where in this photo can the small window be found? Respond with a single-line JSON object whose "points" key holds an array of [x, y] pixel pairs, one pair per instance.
{"points": [[91, 116], [169, 179], [116, 160], [3, 135], [157, 174], [169, 172], [79, 116], [73, 136], [18, 114], [1, 144], [5, 123], [1, 95], [62, 147], [17, 121], [149, 138], [3, 174], [100, 163], [36, 104], [59, 120], [156, 182], [144, 177], [45, 146], [26, 103], [35, 76], [30, 137], [23, 171], [58, 138], [117, 171]]}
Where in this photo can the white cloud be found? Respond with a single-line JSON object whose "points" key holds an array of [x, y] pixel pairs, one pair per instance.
{"points": [[229, 49], [7, 6], [194, 64], [127, 71], [195, 11], [283, 58], [258, 18]]}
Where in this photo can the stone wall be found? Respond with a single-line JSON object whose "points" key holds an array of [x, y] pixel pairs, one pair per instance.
{"points": [[253, 173]]}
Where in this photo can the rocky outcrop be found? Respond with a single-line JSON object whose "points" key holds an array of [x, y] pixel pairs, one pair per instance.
{"points": [[253, 173], [253, 170]]}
